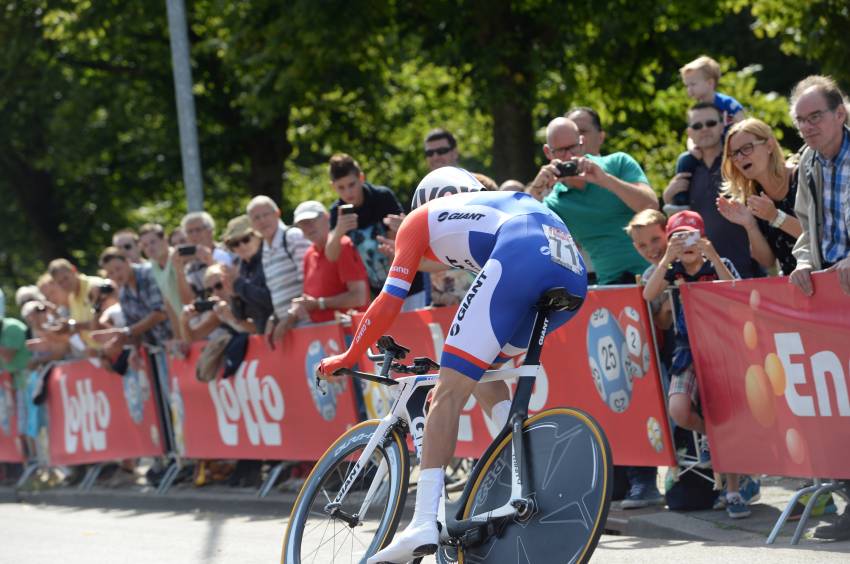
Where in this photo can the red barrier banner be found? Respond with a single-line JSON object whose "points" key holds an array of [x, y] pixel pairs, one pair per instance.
{"points": [[772, 367], [10, 441], [270, 409], [602, 361], [97, 415]]}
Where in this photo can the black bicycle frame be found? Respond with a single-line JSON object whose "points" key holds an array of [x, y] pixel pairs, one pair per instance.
{"points": [[463, 528]]}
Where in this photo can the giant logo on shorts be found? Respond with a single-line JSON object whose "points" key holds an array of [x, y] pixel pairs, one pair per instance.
{"points": [[467, 301]]}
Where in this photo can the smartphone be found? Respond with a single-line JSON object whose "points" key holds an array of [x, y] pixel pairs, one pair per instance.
{"points": [[346, 209], [689, 238], [186, 250], [204, 305]]}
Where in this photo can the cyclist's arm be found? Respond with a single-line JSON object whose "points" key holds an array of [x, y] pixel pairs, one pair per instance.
{"points": [[411, 243], [428, 265]]}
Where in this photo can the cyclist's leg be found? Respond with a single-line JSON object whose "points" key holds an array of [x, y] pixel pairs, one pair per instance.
{"points": [[489, 395], [422, 536]]}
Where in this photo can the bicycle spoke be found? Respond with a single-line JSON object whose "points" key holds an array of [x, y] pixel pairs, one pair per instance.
{"points": [[317, 537]]}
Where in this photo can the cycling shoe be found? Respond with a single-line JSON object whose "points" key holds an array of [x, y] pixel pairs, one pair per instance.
{"points": [[413, 542]]}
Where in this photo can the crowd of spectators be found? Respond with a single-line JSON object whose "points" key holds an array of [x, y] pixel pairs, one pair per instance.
{"points": [[757, 210]]}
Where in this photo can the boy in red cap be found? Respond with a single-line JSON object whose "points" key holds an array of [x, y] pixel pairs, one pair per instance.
{"points": [[690, 257]]}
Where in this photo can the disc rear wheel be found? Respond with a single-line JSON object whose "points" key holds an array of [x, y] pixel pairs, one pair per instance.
{"points": [[568, 467]]}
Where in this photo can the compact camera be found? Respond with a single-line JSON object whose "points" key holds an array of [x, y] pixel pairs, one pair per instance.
{"points": [[569, 168]]}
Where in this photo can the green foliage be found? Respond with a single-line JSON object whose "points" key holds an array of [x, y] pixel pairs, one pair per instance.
{"points": [[89, 141], [816, 30]]}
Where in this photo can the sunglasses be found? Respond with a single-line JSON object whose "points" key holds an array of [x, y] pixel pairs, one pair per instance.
{"points": [[127, 246], [234, 243], [746, 150], [437, 151], [700, 124], [214, 287]]}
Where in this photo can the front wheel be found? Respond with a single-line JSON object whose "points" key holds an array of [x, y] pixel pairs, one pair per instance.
{"points": [[568, 466], [371, 508]]}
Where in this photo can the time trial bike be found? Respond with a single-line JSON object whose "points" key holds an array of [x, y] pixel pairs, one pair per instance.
{"points": [[540, 493]]}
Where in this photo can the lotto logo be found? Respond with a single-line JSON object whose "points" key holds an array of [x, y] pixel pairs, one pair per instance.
{"points": [[256, 402], [87, 415]]}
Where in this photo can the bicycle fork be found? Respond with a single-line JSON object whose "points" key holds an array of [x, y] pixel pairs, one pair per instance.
{"points": [[333, 508]]}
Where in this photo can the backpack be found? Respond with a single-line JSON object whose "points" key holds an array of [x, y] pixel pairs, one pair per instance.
{"points": [[286, 243]]}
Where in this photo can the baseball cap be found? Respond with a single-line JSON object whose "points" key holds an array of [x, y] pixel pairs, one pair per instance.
{"points": [[444, 181], [685, 221], [310, 209]]}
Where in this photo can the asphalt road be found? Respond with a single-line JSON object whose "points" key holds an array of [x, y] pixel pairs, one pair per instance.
{"points": [[43, 534]]}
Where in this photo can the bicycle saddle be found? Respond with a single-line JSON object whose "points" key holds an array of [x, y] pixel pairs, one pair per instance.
{"points": [[558, 299]]}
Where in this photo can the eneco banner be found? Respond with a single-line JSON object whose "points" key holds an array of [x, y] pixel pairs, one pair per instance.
{"points": [[602, 361], [270, 409], [772, 366], [97, 415], [10, 443]]}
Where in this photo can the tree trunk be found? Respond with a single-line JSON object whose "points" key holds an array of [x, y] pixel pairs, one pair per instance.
{"points": [[513, 139], [35, 193], [268, 152]]}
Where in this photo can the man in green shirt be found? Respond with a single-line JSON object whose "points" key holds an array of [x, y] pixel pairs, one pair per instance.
{"points": [[598, 202], [596, 205], [14, 354]]}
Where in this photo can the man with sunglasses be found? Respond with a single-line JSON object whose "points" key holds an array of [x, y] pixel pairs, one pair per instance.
{"points": [[598, 200], [705, 129], [819, 109], [127, 241], [440, 149]]}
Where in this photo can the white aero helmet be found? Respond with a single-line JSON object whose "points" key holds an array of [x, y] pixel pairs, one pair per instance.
{"points": [[444, 181]]}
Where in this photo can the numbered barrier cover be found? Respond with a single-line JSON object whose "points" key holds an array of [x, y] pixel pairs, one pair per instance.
{"points": [[10, 442], [773, 367], [97, 415], [270, 409], [603, 361]]}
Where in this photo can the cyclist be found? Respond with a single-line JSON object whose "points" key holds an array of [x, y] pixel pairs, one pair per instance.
{"points": [[518, 249]]}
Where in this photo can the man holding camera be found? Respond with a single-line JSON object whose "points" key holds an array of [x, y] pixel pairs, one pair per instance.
{"points": [[141, 304], [599, 195], [201, 251]]}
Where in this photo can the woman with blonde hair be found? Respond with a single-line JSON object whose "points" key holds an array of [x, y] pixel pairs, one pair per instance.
{"points": [[759, 190]]}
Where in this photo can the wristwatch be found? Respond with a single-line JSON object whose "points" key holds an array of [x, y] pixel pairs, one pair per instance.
{"points": [[779, 219], [128, 332], [321, 303]]}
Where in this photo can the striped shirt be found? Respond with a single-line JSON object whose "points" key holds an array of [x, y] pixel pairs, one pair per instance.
{"points": [[285, 274], [835, 244]]}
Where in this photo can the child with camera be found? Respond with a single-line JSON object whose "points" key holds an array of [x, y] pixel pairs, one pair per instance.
{"points": [[690, 257]]}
